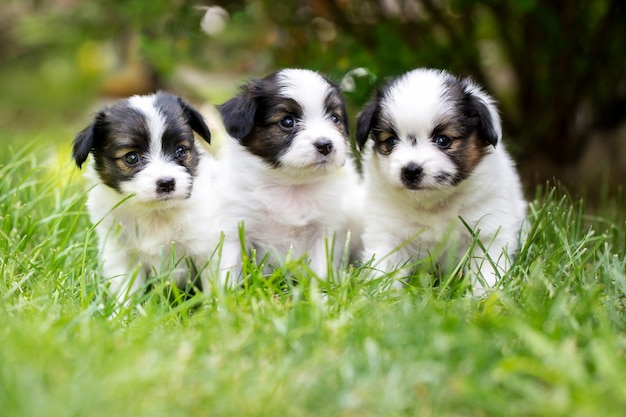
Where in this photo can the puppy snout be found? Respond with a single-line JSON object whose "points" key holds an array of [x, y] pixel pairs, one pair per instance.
{"points": [[324, 146], [411, 175], [166, 185]]}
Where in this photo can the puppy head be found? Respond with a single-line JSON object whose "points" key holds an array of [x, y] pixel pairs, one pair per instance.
{"points": [[145, 146], [292, 119], [430, 129]]}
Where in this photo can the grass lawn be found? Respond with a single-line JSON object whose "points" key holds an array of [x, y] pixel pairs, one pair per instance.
{"points": [[550, 342]]}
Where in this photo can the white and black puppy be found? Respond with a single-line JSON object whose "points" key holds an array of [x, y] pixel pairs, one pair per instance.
{"points": [[287, 173], [150, 198], [435, 160]]}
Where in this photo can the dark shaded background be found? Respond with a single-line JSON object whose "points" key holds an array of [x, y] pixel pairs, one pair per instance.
{"points": [[557, 68]]}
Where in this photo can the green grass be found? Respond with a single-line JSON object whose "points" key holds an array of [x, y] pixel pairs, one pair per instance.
{"points": [[550, 342]]}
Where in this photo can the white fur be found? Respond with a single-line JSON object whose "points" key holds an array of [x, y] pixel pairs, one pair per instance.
{"points": [[156, 121], [142, 233], [309, 89], [306, 87], [414, 113], [281, 214], [404, 226], [138, 238], [299, 208]]}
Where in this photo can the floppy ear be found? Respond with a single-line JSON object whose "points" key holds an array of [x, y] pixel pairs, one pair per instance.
{"points": [[364, 121], [86, 139], [238, 114], [482, 106], [195, 120]]}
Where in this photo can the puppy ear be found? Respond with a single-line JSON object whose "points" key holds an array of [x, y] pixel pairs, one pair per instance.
{"points": [[238, 114], [365, 119], [482, 106], [195, 120], [86, 139]]}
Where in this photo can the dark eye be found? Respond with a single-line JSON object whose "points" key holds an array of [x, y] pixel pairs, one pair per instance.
{"points": [[442, 141], [131, 158], [390, 143], [288, 122], [181, 153], [335, 119]]}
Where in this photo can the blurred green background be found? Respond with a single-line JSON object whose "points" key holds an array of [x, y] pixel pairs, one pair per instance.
{"points": [[557, 68]]}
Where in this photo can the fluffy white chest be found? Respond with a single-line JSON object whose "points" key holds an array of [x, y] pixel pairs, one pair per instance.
{"points": [[287, 218], [290, 206], [147, 233], [148, 237], [282, 213], [412, 227], [154, 234]]}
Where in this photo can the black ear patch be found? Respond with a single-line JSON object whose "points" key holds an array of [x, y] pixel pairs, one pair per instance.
{"points": [[238, 113], [87, 139], [195, 120], [486, 129], [366, 119], [477, 108]]}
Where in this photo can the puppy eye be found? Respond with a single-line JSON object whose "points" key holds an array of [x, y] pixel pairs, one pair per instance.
{"points": [[131, 158], [391, 142], [181, 153], [335, 119], [288, 122], [442, 141]]}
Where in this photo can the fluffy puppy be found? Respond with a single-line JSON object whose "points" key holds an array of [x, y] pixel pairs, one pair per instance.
{"points": [[286, 173], [434, 164], [150, 198]]}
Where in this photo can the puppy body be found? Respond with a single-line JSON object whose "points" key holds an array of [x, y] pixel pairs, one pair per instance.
{"points": [[151, 197], [433, 162], [286, 174]]}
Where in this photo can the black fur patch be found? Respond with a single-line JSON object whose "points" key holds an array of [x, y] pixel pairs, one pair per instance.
{"points": [[369, 119], [254, 117], [469, 124], [175, 108], [122, 129], [472, 110]]}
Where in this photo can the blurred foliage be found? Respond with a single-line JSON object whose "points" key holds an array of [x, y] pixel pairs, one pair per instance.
{"points": [[557, 68]]}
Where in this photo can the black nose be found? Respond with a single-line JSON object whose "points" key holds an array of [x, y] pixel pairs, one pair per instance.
{"points": [[324, 146], [411, 175], [166, 185]]}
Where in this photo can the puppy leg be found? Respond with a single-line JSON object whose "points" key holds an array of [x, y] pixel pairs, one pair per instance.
{"points": [[125, 283], [486, 268], [124, 277], [321, 258], [230, 264], [387, 261]]}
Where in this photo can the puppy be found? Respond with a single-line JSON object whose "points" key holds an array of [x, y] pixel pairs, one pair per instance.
{"points": [[150, 197], [286, 174], [434, 166]]}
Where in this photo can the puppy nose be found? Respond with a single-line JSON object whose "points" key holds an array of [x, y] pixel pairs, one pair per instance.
{"points": [[166, 185], [411, 173], [324, 146]]}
